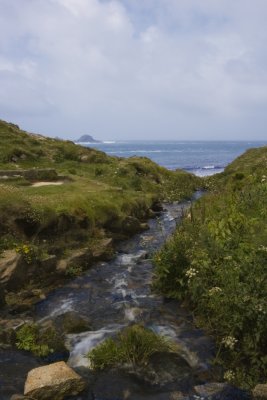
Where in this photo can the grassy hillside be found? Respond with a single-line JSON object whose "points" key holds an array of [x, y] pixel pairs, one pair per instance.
{"points": [[216, 262], [246, 169], [90, 195]]}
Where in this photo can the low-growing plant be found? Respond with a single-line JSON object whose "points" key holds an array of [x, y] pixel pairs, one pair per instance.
{"points": [[134, 345], [73, 270], [29, 253], [28, 338]]}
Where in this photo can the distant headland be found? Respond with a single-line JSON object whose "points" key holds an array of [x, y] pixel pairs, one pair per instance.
{"points": [[87, 139]]}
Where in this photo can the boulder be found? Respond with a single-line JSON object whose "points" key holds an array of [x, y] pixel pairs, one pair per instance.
{"points": [[8, 328], [165, 370], [49, 263], [210, 389], [102, 249], [260, 392], [72, 322], [79, 257], [53, 381], [221, 391], [10, 269], [131, 225], [49, 335]]}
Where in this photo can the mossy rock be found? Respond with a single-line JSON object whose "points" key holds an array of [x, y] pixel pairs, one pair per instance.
{"points": [[72, 322]]}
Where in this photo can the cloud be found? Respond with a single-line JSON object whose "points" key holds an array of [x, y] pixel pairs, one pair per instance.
{"points": [[133, 69]]}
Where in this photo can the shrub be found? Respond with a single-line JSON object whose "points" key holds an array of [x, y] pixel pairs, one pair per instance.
{"points": [[134, 345], [28, 339], [217, 261]]}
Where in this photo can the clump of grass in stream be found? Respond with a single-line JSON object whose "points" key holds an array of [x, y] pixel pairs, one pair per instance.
{"points": [[29, 339], [133, 346]]}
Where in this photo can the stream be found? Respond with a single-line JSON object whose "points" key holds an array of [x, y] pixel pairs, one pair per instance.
{"points": [[113, 295]]}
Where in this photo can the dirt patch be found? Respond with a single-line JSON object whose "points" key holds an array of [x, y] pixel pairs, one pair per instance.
{"points": [[38, 184]]}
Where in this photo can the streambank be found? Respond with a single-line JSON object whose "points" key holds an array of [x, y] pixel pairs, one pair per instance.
{"points": [[115, 294]]}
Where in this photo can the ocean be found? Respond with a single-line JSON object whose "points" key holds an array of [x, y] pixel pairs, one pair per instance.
{"points": [[199, 157]]}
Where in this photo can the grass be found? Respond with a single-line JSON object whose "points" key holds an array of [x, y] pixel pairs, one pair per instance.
{"points": [[133, 346], [97, 189]]}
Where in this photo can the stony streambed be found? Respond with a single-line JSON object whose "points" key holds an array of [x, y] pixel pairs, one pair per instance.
{"points": [[111, 296]]}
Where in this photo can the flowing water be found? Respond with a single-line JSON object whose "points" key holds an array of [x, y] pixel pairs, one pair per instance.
{"points": [[115, 294]]}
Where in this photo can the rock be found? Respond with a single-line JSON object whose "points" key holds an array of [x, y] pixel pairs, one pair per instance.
{"points": [[84, 158], [164, 370], [21, 301], [210, 389], [15, 272], [72, 322], [178, 396], [19, 397], [221, 391], [49, 263], [151, 213], [10, 269], [49, 335], [2, 296], [80, 258], [53, 381], [103, 249], [131, 225], [87, 139], [8, 328], [260, 392], [157, 207]]}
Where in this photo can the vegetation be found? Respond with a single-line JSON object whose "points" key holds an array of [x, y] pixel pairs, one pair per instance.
{"points": [[216, 261], [41, 343], [133, 346], [92, 190]]}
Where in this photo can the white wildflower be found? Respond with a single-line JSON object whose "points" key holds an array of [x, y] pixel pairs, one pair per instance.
{"points": [[191, 272], [261, 308], [263, 248], [215, 290], [229, 341], [229, 375]]}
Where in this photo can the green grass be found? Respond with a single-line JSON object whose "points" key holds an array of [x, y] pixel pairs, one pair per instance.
{"points": [[133, 346], [97, 189]]}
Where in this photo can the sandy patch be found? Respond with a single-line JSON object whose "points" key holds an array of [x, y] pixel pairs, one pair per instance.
{"points": [[38, 184]]}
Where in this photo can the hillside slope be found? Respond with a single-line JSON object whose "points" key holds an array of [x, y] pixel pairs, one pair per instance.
{"points": [[58, 199]]}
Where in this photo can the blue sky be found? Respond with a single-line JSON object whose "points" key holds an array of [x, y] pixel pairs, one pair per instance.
{"points": [[132, 69]]}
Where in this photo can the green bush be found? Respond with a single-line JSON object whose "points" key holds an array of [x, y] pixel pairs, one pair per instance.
{"points": [[217, 261], [134, 345]]}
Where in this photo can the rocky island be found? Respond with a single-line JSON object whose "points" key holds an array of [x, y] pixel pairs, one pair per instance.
{"points": [[87, 139]]}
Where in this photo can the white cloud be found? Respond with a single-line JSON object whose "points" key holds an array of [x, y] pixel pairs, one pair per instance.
{"points": [[127, 68]]}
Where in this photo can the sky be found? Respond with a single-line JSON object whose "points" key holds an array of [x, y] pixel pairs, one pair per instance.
{"points": [[135, 69]]}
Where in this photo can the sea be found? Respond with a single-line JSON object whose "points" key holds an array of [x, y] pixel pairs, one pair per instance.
{"points": [[201, 158]]}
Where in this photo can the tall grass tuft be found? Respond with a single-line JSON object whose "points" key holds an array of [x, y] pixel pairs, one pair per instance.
{"points": [[133, 346]]}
